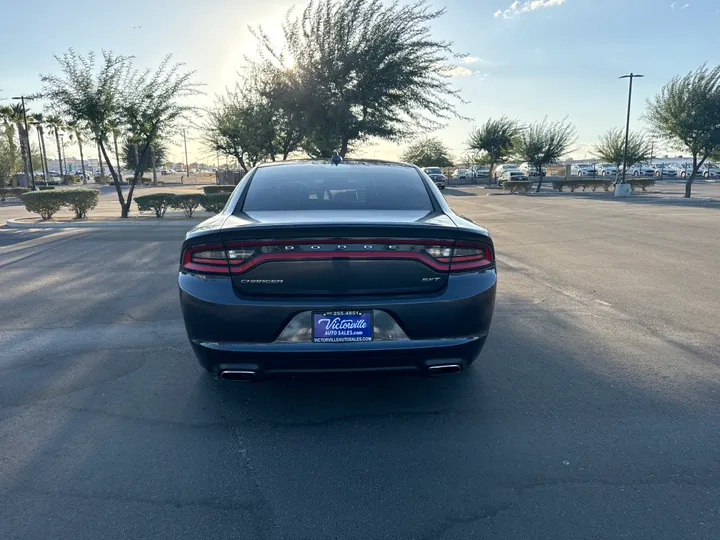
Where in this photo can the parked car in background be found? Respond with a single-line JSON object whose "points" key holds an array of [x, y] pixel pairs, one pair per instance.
{"points": [[461, 173], [480, 172], [709, 170], [606, 169], [583, 169], [514, 176], [641, 169], [531, 170], [501, 169], [436, 175], [666, 170]]}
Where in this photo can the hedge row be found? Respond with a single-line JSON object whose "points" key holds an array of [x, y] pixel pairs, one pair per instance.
{"points": [[48, 202], [516, 186], [592, 183], [11, 192], [188, 203]]}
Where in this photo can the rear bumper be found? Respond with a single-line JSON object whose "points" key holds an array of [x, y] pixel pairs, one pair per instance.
{"points": [[290, 358], [229, 332]]}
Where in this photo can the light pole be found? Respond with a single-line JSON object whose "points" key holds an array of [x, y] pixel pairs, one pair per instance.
{"points": [[27, 142], [631, 76]]}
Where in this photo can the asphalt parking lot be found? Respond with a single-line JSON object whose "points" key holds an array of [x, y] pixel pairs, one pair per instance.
{"points": [[593, 412]]}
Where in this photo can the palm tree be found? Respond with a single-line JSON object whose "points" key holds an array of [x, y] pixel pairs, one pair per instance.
{"points": [[6, 114], [38, 121], [56, 124], [76, 128], [14, 115]]}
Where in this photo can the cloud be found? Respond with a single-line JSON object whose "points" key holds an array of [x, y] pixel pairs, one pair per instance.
{"points": [[459, 71], [675, 6], [516, 8], [471, 59]]}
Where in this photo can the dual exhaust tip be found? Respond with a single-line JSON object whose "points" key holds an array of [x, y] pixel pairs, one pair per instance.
{"points": [[445, 369], [237, 375], [249, 375]]}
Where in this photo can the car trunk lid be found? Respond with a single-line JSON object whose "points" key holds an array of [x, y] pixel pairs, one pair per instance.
{"points": [[336, 253]]}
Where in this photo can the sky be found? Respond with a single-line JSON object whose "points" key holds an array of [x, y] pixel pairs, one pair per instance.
{"points": [[528, 59]]}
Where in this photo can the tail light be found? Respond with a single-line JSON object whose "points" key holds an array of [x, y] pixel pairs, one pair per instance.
{"points": [[205, 259], [240, 257], [470, 256]]}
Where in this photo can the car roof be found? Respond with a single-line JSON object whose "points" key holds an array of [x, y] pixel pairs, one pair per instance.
{"points": [[346, 161]]}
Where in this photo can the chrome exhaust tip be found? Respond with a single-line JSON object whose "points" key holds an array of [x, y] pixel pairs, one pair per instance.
{"points": [[445, 369], [237, 375]]}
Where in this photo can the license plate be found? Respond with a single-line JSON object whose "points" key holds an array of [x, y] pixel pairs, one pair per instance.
{"points": [[342, 326]]}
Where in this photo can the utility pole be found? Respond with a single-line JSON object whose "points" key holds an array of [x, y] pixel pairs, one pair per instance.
{"points": [[187, 166], [631, 76], [28, 164]]}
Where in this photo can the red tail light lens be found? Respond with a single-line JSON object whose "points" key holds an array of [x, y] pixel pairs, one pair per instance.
{"points": [[467, 257], [206, 259]]}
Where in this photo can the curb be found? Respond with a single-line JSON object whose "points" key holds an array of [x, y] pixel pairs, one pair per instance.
{"points": [[17, 223]]}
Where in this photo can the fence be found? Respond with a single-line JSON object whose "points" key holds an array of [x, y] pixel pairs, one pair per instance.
{"points": [[229, 178]]}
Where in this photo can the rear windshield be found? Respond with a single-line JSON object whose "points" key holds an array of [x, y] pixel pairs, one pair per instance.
{"points": [[433, 170], [329, 187]]}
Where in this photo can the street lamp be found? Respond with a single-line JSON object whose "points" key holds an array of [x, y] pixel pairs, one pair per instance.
{"points": [[27, 141], [631, 76]]}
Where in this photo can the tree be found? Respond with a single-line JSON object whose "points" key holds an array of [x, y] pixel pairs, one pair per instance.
{"points": [[235, 127], [544, 143], [7, 163], [146, 103], [39, 123], [77, 129], [6, 114], [364, 68], [686, 114], [13, 115], [56, 124], [130, 162], [495, 140], [611, 148], [260, 119], [153, 108], [428, 152]]}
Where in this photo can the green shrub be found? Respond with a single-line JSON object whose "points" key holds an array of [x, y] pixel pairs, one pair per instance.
{"points": [[188, 202], [80, 200], [515, 186], [12, 192], [157, 202], [215, 202], [211, 190], [45, 203], [45, 188]]}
